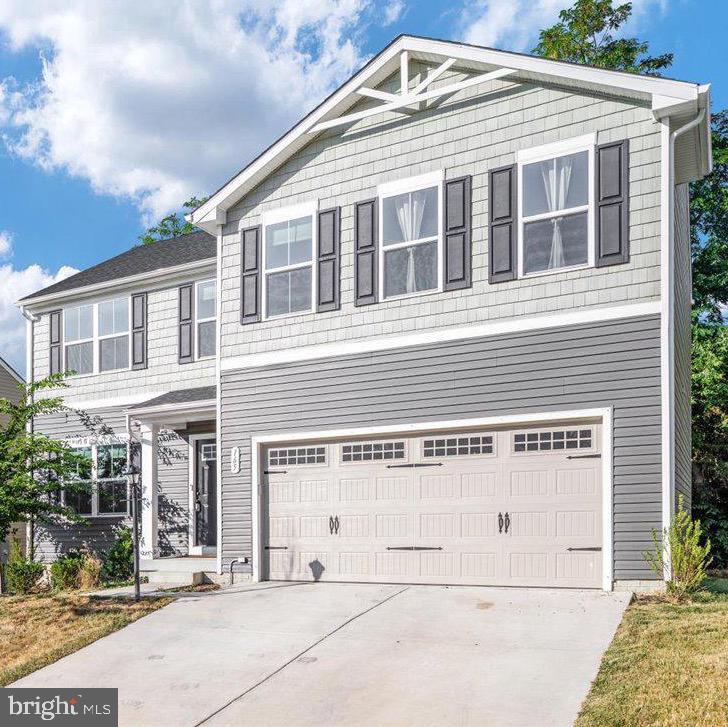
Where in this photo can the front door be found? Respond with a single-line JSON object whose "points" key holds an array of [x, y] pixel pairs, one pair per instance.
{"points": [[206, 493]]}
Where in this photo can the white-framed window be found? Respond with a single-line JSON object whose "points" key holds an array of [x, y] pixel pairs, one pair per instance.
{"points": [[96, 336], [105, 494], [78, 337], [289, 273], [205, 318], [410, 235], [556, 206]]}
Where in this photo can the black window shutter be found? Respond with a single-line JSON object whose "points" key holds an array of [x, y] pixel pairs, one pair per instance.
{"points": [[458, 246], [612, 233], [250, 275], [328, 259], [186, 323], [55, 319], [139, 331], [365, 262], [502, 226]]}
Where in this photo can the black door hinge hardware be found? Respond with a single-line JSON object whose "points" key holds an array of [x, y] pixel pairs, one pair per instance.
{"points": [[276, 547], [415, 464], [583, 456], [413, 547], [594, 550], [275, 472]]}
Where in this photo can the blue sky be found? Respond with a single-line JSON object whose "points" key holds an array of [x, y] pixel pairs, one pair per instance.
{"points": [[109, 118]]}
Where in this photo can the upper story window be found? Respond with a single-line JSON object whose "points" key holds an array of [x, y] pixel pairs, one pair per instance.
{"points": [[556, 224], [288, 276], [410, 223], [205, 314], [96, 336]]}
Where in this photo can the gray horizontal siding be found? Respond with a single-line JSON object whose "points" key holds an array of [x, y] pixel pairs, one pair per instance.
{"points": [[97, 534], [608, 364]]}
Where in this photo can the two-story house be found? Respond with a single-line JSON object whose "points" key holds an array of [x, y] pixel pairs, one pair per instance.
{"points": [[437, 333]]}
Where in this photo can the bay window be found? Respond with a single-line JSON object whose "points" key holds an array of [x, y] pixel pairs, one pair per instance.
{"points": [[556, 206], [205, 314], [288, 270], [410, 224]]}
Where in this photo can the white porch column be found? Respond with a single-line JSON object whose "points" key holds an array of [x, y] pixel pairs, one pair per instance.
{"points": [[149, 435]]}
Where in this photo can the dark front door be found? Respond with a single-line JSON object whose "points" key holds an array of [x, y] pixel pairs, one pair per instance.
{"points": [[206, 492]]}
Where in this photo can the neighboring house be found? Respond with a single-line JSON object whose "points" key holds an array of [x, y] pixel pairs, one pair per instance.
{"points": [[440, 335], [10, 380]]}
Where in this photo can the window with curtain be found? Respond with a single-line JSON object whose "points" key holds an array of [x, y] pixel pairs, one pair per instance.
{"points": [[205, 313], [555, 209], [288, 266], [410, 234]]}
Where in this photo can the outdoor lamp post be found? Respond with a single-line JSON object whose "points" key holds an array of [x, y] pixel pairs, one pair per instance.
{"points": [[132, 474]]}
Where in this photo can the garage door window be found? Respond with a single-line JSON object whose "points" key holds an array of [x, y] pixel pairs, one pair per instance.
{"points": [[296, 456], [372, 451], [459, 446], [552, 440]]}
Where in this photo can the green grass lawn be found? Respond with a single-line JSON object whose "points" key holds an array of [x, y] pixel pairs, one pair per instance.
{"points": [[667, 665], [37, 630]]}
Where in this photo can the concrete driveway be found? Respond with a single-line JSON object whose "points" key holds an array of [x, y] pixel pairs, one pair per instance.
{"points": [[340, 654]]}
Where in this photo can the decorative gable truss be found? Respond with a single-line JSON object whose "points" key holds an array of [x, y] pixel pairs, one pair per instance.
{"points": [[407, 98]]}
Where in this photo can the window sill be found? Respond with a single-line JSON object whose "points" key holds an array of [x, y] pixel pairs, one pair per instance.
{"points": [[408, 296], [284, 316], [555, 271]]}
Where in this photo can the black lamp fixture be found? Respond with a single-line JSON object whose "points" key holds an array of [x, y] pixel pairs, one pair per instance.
{"points": [[133, 475]]}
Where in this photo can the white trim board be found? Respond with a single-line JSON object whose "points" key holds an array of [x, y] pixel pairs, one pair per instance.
{"points": [[604, 414], [439, 335]]}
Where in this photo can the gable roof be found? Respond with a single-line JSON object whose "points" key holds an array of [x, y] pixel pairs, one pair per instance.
{"points": [[5, 365], [164, 254], [665, 96]]}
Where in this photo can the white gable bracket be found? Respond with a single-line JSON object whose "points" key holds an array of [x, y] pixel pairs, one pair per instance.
{"points": [[411, 98]]}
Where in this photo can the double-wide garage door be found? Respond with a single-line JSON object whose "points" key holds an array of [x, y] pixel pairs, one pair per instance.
{"points": [[510, 507]]}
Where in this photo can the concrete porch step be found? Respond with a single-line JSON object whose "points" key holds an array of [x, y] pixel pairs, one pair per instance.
{"points": [[190, 570]]}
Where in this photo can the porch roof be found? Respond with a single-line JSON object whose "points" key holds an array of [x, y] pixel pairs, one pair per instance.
{"points": [[180, 396], [179, 407]]}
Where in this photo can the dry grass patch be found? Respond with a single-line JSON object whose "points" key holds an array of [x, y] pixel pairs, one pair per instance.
{"points": [[667, 666], [37, 630]]}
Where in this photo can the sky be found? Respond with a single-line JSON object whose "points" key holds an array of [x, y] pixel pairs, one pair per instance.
{"points": [[113, 114]]}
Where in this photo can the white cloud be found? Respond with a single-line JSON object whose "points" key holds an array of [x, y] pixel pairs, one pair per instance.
{"points": [[14, 284], [155, 101], [6, 244], [394, 10], [515, 24]]}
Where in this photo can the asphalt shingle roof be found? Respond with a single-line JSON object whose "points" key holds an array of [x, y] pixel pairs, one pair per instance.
{"points": [[169, 253], [180, 396]]}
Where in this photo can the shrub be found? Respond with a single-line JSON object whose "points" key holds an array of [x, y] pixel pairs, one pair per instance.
{"points": [[74, 570], [22, 574], [119, 560], [689, 560]]}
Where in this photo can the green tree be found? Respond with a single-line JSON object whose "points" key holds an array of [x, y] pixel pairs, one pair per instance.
{"points": [[173, 224], [585, 34], [32, 464]]}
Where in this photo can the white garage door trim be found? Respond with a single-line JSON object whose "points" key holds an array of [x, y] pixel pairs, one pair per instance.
{"points": [[260, 441]]}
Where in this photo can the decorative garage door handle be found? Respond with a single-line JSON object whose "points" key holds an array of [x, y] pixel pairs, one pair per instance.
{"points": [[331, 524], [500, 522], [336, 524], [508, 521], [413, 547]]}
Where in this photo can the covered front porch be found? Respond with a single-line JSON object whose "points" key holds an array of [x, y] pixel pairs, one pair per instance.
{"points": [[177, 440]]}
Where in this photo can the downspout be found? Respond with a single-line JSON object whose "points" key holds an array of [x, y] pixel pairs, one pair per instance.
{"points": [[31, 320], [668, 450]]}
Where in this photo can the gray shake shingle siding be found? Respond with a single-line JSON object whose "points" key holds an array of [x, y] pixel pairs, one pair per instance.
{"points": [[170, 253], [607, 364]]}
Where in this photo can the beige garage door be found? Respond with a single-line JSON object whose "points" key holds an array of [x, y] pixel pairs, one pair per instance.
{"points": [[511, 507]]}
